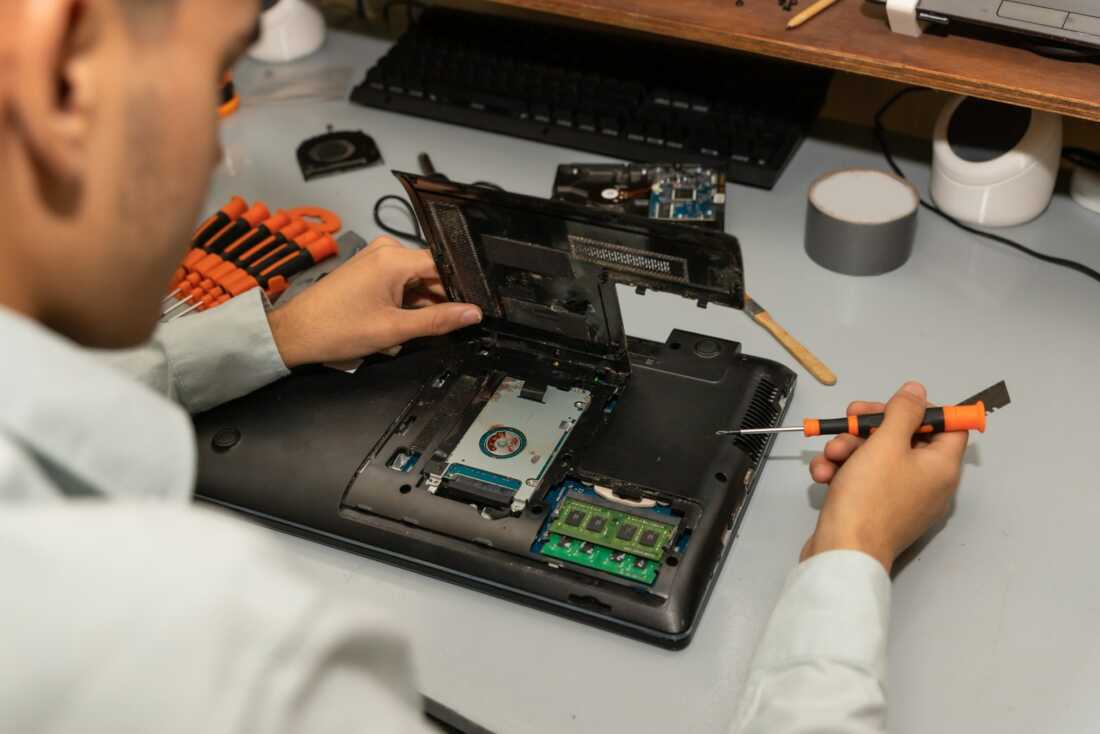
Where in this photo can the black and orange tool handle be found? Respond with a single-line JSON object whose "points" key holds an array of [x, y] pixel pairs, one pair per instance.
{"points": [[231, 101], [936, 420], [266, 229], [305, 258], [218, 221], [251, 219]]}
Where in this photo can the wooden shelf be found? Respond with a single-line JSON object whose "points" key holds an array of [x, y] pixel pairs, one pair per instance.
{"points": [[853, 36]]}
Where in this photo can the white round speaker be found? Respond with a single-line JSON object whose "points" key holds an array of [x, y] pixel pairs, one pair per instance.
{"points": [[289, 30], [994, 164]]}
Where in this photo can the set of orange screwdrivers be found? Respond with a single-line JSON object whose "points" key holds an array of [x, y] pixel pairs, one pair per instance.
{"points": [[243, 247]]}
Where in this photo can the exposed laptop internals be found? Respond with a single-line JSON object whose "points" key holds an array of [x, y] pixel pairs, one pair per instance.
{"points": [[543, 456]]}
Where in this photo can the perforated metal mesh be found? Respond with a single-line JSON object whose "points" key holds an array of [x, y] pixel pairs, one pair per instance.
{"points": [[762, 413], [617, 257], [459, 246]]}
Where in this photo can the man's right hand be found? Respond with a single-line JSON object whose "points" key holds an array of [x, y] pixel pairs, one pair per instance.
{"points": [[383, 296], [886, 491]]}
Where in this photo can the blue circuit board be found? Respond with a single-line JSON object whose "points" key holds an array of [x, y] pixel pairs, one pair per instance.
{"points": [[690, 194]]}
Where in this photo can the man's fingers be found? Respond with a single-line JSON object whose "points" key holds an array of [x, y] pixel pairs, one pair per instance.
{"points": [[420, 299], [403, 268], [822, 470], [435, 320], [381, 243], [414, 265], [861, 407], [840, 448], [433, 286], [951, 445], [904, 413]]}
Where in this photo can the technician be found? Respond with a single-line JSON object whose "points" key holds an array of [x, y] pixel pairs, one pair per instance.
{"points": [[127, 609]]}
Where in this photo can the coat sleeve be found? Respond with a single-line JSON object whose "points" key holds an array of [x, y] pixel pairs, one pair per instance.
{"points": [[209, 358], [821, 664]]}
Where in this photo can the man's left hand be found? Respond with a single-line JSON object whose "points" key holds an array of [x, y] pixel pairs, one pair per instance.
{"points": [[383, 296]]}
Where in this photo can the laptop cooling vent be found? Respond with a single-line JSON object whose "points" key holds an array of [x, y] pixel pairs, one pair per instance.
{"points": [[625, 259], [763, 412], [460, 251]]}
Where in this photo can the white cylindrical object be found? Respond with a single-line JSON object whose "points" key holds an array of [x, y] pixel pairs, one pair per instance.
{"points": [[1084, 187], [1009, 189], [290, 30]]}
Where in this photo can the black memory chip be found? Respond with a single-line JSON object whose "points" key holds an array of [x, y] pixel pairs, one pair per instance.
{"points": [[596, 524], [648, 538], [574, 517], [683, 193], [627, 532]]}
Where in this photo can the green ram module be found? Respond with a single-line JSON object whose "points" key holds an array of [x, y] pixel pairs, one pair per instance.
{"points": [[594, 556], [639, 536]]}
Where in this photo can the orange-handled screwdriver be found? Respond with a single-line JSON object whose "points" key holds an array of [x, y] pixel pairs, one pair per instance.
{"points": [[936, 420], [969, 415], [250, 220], [219, 221]]}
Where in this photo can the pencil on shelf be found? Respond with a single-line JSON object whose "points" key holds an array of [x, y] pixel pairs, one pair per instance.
{"points": [[818, 7]]}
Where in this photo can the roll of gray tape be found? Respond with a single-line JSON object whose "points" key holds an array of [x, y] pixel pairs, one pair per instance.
{"points": [[861, 221]]}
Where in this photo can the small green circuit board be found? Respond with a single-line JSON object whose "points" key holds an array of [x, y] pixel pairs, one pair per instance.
{"points": [[638, 536], [600, 558]]}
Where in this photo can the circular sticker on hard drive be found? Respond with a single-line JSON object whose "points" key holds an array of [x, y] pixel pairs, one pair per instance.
{"points": [[503, 442]]}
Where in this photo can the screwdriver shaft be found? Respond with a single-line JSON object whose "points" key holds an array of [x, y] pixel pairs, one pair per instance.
{"points": [[179, 305], [193, 308], [753, 431]]}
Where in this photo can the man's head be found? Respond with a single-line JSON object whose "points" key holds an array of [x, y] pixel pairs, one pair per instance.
{"points": [[108, 137]]}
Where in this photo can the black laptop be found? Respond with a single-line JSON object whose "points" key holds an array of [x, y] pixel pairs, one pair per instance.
{"points": [[1072, 22], [543, 456]]}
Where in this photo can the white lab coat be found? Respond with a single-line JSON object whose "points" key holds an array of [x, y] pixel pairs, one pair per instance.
{"points": [[126, 609]]}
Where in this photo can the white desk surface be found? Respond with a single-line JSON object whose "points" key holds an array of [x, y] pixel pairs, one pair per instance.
{"points": [[995, 624]]}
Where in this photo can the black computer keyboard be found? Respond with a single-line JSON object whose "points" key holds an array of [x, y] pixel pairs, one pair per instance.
{"points": [[635, 98]]}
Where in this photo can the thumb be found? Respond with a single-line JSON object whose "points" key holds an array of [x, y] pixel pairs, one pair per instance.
{"points": [[435, 320], [905, 412]]}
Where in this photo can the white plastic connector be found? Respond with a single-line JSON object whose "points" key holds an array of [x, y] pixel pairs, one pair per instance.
{"points": [[902, 15]]}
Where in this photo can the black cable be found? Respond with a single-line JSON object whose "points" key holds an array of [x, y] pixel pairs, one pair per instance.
{"points": [[880, 134], [416, 235], [1085, 158], [428, 169]]}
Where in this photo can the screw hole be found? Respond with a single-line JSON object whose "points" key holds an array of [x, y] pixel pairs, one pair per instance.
{"points": [[537, 509], [721, 477], [672, 560], [406, 488], [674, 345]]}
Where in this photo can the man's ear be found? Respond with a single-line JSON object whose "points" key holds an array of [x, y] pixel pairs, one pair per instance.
{"points": [[55, 90]]}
